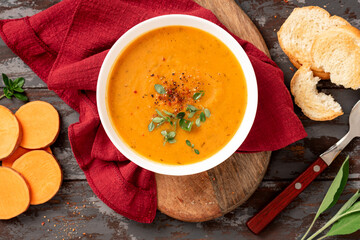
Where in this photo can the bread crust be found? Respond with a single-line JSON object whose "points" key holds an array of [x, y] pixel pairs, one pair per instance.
{"points": [[317, 72], [291, 53], [300, 100], [348, 35]]}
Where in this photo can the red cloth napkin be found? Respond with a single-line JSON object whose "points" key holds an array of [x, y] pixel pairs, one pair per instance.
{"points": [[65, 46]]}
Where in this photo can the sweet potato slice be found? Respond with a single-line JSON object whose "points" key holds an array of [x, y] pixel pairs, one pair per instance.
{"points": [[8, 162], [40, 124], [10, 132], [42, 172], [14, 193]]}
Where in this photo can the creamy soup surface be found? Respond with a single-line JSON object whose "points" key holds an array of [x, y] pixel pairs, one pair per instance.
{"points": [[176, 95]]}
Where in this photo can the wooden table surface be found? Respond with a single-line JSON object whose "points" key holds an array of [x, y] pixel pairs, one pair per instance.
{"points": [[75, 212]]}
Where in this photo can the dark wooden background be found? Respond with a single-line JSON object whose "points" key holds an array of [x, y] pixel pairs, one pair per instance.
{"points": [[75, 212]]}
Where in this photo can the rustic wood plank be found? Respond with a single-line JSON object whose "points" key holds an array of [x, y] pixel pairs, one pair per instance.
{"points": [[9, 62], [286, 163], [75, 210], [236, 20]]}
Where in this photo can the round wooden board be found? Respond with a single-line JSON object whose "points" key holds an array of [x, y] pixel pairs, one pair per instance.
{"points": [[211, 194]]}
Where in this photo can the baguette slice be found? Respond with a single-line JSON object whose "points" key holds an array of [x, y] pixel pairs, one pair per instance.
{"points": [[316, 106], [337, 51], [299, 31]]}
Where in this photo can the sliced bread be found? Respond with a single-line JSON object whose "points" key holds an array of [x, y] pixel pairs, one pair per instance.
{"points": [[337, 51], [316, 106], [299, 31]]}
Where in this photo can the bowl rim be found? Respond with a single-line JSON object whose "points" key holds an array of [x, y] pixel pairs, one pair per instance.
{"points": [[211, 28]]}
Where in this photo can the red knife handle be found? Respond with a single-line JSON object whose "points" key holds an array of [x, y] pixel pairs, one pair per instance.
{"points": [[257, 223]]}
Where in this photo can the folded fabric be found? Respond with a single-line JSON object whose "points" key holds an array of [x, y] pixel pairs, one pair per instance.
{"points": [[65, 46]]}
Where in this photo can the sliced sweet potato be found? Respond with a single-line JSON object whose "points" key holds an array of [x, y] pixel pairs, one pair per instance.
{"points": [[8, 162], [10, 132], [42, 172], [40, 124], [14, 193]]}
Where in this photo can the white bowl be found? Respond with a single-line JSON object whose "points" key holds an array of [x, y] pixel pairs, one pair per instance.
{"points": [[230, 42]]}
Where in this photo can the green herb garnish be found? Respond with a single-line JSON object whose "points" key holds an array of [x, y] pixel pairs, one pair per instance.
{"points": [[159, 113], [168, 113], [202, 117], [160, 89], [168, 136], [158, 119], [346, 220], [207, 112], [198, 95], [164, 116], [180, 115], [14, 88], [185, 124], [191, 108], [192, 146], [198, 122], [151, 126], [191, 114]]}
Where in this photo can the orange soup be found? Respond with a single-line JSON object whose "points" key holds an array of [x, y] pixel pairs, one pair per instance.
{"points": [[176, 95]]}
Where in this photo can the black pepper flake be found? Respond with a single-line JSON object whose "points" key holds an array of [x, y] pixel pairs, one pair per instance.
{"points": [[173, 74], [152, 95], [152, 75]]}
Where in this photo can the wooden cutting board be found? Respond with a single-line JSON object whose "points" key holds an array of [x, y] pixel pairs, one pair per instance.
{"points": [[205, 196]]}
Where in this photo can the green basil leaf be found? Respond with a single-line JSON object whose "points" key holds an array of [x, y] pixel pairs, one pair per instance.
{"points": [[198, 95], [172, 141], [180, 115], [202, 117], [6, 80], [11, 84], [191, 114], [7, 93], [21, 97], [20, 90], [188, 143], [207, 112], [158, 119], [171, 135], [160, 89], [191, 108], [159, 124], [164, 133], [151, 126], [196, 151], [168, 113], [159, 113], [198, 122], [185, 124], [19, 82]]}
